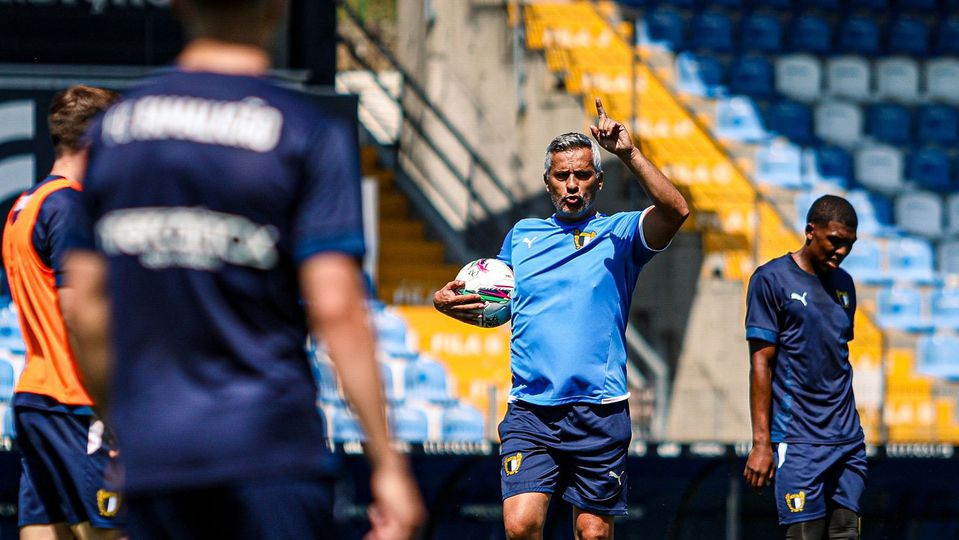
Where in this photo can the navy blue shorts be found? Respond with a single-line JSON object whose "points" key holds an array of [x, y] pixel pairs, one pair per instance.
{"points": [[65, 467], [266, 509], [813, 477], [577, 451]]}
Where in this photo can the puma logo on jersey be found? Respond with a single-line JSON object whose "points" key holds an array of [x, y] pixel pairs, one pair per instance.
{"points": [[618, 477], [795, 296], [529, 241]]}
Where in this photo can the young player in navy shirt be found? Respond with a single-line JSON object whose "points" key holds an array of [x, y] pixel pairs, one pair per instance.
{"points": [[567, 428], [807, 438], [217, 200]]}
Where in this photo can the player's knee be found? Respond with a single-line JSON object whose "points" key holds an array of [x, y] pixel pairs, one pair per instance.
{"points": [[843, 524], [524, 527], [593, 530], [806, 530]]}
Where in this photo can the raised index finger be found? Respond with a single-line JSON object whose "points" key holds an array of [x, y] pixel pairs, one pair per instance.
{"points": [[600, 111]]}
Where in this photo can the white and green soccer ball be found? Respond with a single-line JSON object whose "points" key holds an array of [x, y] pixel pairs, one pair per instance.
{"points": [[493, 280]]}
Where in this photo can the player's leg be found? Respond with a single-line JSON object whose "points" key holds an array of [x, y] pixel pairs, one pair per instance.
{"points": [[850, 483], [800, 486], [843, 524], [39, 514], [524, 515], [56, 531], [591, 526], [807, 530]]}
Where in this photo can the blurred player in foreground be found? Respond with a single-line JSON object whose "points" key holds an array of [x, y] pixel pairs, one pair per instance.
{"points": [[806, 430], [63, 452], [567, 428], [218, 200]]}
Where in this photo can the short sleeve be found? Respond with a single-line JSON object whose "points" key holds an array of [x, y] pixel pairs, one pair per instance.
{"points": [[506, 252], [630, 227], [59, 217], [328, 215], [762, 309]]}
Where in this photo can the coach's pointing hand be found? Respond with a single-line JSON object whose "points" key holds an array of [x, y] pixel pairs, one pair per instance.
{"points": [[610, 134]]}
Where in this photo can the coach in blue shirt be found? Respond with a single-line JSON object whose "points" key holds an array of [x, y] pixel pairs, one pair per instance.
{"points": [[567, 428], [806, 431]]}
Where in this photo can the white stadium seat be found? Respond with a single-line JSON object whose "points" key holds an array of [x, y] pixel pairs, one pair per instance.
{"points": [[848, 76], [799, 77], [942, 79], [879, 168], [897, 79], [838, 122]]}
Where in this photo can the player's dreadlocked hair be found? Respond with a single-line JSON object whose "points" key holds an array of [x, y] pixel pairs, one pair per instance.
{"points": [[832, 208], [71, 112]]}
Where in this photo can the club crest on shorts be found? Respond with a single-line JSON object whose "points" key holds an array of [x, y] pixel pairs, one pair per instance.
{"points": [[108, 502], [796, 501], [512, 463], [581, 238], [843, 297]]}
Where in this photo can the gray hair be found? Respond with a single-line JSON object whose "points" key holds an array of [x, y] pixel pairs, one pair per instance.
{"points": [[569, 141]]}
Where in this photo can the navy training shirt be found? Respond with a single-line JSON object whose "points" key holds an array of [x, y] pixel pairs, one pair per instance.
{"points": [[206, 192], [810, 320]]}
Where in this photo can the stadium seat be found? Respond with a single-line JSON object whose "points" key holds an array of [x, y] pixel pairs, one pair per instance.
{"points": [[711, 30], [874, 211], [888, 123], [897, 79], [900, 307], [790, 119], [858, 35], [912, 259], [938, 356], [408, 423], [810, 33], [848, 76], [763, 31], [799, 77], [947, 42], [344, 426], [391, 332], [699, 75], [930, 169], [864, 263], [919, 212], [325, 376], [425, 379], [907, 35], [952, 215], [942, 80], [827, 164], [390, 381], [944, 308], [779, 164], [838, 122], [463, 423], [664, 28], [737, 118], [937, 124], [751, 75], [7, 380], [879, 168], [949, 258], [8, 426]]}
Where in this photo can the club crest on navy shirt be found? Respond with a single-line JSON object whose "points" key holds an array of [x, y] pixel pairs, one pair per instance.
{"points": [[843, 297]]}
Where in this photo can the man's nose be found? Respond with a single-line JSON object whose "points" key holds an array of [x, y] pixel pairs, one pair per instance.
{"points": [[572, 185]]}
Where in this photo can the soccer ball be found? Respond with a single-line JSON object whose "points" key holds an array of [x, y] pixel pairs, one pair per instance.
{"points": [[492, 279]]}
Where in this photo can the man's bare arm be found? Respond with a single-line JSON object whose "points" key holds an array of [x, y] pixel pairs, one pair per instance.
{"points": [[760, 466], [86, 311]]}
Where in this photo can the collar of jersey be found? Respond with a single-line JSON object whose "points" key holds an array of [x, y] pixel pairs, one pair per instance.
{"points": [[561, 223]]}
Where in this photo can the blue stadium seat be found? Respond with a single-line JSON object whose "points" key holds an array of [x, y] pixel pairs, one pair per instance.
{"points": [[930, 168], [848, 76], [799, 76], [938, 356], [901, 308], [949, 259], [909, 36], [463, 423], [751, 75], [7, 380], [665, 27], [944, 308], [8, 426], [880, 168], [828, 164], [952, 215], [810, 33], [937, 124], [408, 423], [838, 122], [947, 41], [889, 123], [711, 30], [325, 376], [898, 79], [764, 33], [919, 212], [389, 381], [737, 118], [344, 426], [699, 75], [425, 379], [859, 35], [874, 212], [779, 164], [391, 332], [864, 263], [790, 119], [911, 259], [942, 80]]}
